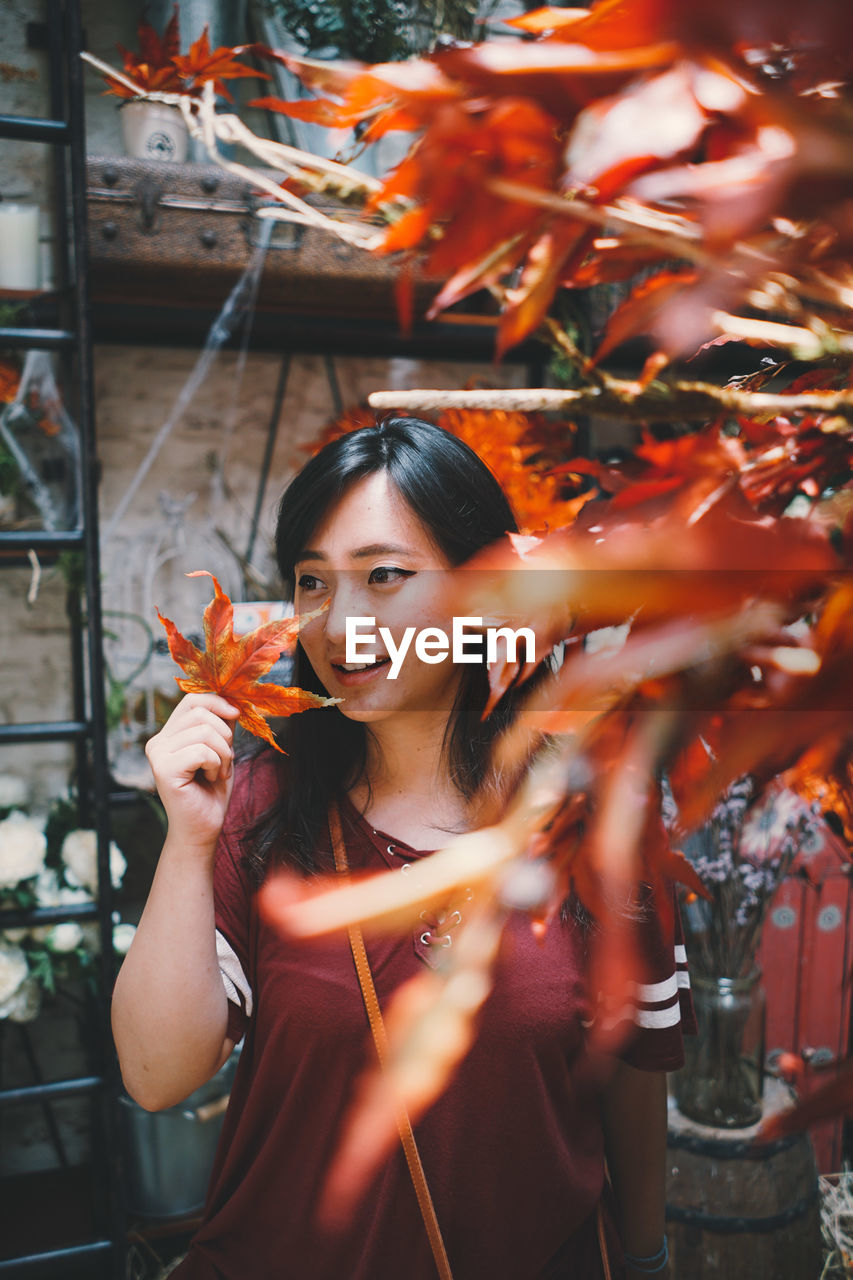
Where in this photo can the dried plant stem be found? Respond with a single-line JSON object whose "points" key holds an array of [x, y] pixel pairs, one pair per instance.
{"points": [[557, 335], [230, 129], [170, 99], [808, 344], [279, 155], [836, 1214], [675, 236], [679, 238], [679, 401]]}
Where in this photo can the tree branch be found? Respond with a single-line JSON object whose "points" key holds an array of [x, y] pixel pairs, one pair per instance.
{"points": [[680, 401]]}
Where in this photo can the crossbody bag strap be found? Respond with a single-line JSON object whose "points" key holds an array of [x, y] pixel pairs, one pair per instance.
{"points": [[602, 1243], [380, 1039]]}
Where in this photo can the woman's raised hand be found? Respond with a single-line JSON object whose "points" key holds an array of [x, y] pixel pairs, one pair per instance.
{"points": [[192, 759]]}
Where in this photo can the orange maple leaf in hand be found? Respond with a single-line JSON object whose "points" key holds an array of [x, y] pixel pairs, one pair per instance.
{"points": [[231, 665]]}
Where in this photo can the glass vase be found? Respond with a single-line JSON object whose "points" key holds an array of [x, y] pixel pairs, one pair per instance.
{"points": [[721, 1083]]}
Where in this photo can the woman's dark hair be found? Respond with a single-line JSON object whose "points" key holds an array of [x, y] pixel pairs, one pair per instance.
{"points": [[462, 505]]}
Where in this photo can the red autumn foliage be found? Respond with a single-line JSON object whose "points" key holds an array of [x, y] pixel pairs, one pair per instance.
{"points": [[730, 123], [160, 67], [201, 64], [709, 145]]}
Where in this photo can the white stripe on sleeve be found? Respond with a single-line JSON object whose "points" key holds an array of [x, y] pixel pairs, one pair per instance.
{"points": [[652, 992], [236, 985], [658, 1018]]}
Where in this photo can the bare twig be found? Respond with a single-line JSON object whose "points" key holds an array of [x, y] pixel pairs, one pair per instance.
{"points": [[807, 344], [212, 128], [170, 99]]}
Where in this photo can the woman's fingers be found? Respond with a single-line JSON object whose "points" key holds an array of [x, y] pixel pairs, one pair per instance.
{"points": [[202, 735], [197, 736], [197, 708], [198, 757], [192, 759], [206, 727]]}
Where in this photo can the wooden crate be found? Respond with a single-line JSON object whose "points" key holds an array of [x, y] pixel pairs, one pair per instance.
{"points": [[182, 234]]}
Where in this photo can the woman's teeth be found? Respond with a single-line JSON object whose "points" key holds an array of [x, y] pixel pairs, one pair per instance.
{"points": [[360, 666]]}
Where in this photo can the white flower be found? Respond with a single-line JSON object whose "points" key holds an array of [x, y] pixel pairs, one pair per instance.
{"points": [[79, 854], [607, 639], [13, 970], [73, 897], [14, 936], [65, 937], [769, 823], [22, 849], [14, 792], [47, 888], [24, 1005], [122, 938]]}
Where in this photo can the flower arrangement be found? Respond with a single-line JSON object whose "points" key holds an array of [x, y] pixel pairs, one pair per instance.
{"points": [[742, 854], [749, 843], [48, 863], [159, 67]]}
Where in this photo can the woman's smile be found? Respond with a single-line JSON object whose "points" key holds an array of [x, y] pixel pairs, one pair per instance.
{"points": [[353, 675]]}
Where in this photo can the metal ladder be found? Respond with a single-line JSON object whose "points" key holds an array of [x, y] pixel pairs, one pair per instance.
{"points": [[66, 330]]}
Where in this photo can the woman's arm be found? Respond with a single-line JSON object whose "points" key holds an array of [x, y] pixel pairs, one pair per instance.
{"points": [[169, 1010], [635, 1142]]}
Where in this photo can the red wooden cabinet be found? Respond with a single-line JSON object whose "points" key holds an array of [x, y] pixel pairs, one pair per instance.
{"points": [[806, 955]]}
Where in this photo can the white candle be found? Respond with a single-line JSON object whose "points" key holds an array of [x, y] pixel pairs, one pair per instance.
{"points": [[19, 246]]}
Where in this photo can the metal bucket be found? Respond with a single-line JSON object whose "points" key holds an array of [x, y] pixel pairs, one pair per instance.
{"points": [[168, 1154]]}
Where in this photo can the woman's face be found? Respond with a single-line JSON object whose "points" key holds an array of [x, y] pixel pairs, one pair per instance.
{"points": [[371, 557]]}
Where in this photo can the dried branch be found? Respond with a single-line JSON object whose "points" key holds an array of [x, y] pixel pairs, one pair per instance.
{"points": [[680, 401]]}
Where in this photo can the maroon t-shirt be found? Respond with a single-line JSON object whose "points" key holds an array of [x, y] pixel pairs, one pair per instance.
{"points": [[513, 1149]]}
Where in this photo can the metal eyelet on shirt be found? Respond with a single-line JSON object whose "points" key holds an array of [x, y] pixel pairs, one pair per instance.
{"points": [[436, 939]]}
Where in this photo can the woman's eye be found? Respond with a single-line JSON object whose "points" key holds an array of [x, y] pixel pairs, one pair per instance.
{"points": [[386, 573], [310, 582]]}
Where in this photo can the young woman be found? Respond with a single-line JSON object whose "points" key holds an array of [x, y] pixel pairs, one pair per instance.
{"points": [[514, 1150]]}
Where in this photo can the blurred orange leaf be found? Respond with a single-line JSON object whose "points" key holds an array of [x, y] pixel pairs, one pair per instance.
{"points": [[10, 380], [835, 1098]]}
